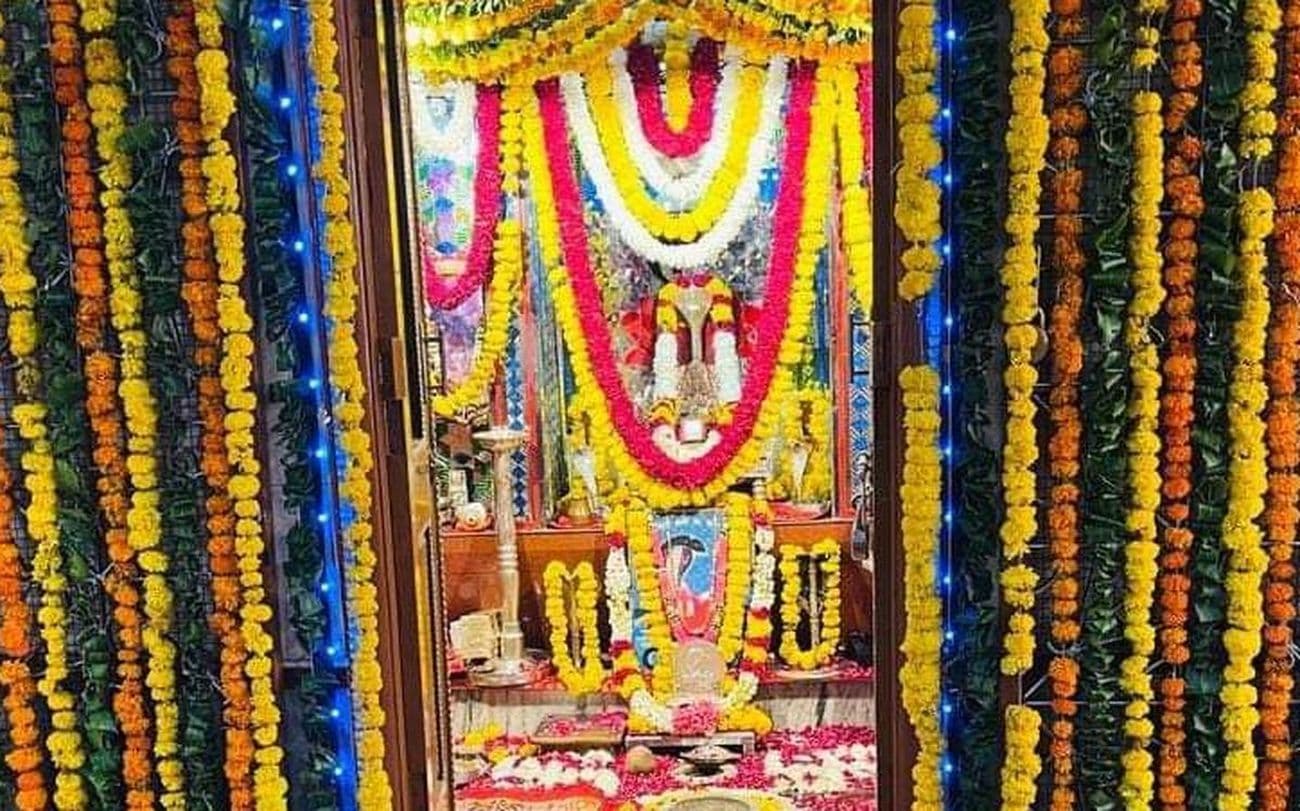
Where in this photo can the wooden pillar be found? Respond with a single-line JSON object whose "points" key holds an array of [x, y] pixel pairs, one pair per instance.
{"points": [[898, 344]]}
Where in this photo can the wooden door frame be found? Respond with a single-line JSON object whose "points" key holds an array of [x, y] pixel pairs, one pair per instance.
{"points": [[369, 61]]}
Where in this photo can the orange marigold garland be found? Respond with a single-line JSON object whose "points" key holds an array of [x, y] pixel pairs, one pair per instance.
{"points": [[1282, 435], [90, 284], [199, 292], [1183, 191], [1066, 260], [24, 755]]}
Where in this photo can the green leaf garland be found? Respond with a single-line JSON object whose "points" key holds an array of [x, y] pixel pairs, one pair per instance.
{"points": [[975, 740]]}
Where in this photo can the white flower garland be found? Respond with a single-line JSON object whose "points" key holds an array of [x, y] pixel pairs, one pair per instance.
{"points": [[705, 250], [678, 189]]}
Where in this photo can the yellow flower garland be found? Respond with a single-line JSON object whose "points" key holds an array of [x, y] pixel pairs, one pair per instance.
{"points": [[1258, 122], [855, 189], [18, 288], [1026, 143], [507, 268], [592, 675], [817, 481], [1022, 766], [917, 195], [1138, 786], [107, 97], [812, 238], [921, 496], [349, 394], [446, 45], [217, 104], [678, 226], [1247, 475], [825, 556]]}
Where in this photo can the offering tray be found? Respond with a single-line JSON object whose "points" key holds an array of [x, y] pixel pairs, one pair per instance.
{"points": [[601, 731]]}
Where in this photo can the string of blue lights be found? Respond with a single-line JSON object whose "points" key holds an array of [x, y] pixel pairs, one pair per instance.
{"points": [[288, 29]]}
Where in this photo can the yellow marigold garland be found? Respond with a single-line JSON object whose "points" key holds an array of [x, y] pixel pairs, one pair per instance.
{"points": [[1248, 395], [1026, 141], [507, 267], [1022, 766], [25, 758], [1142, 550], [855, 188], [592, 675], [349, 394], [916, 196], [217, 104], [677, 74], [921, 495], [107, 98], [823, 556], [1247, 482]]}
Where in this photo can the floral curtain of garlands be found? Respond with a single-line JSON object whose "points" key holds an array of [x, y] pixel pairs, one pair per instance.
{"points": [[489, 40]]}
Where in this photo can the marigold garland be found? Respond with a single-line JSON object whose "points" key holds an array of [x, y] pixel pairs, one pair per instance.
{"points": [[1068, 118], [88, 237], [1026, 143], [824, 560], [1183, 190], [1247, 481], [507, 266], [916, 196], [349, 395], [852, 133], [921, 496], [1248, 468], [25, 755], [1022, 767], [1143, 445], [589, 678], [107, 98], [1282, 435]]}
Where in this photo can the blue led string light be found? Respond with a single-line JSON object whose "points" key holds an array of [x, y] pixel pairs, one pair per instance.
{"points": [[287, 29]]}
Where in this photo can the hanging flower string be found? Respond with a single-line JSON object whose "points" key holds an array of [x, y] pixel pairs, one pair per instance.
{"points": [[1183, 190], [591, 675], [701, 119], [824, 631], [916, 195], [1141, 552], [1068, 118], [87, 227], [1282, 436], [447, 295], [797, 242], [1248, 465], [853, 141], [921, 496], [507, 260], [349, 396], [25, 756], [199, 294], [1026, 143], [240, 477]]}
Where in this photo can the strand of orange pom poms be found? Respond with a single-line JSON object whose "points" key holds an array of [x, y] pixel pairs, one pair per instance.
{"points": [[1183, 191]]}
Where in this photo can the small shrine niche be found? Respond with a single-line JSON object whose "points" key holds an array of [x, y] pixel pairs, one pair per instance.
{"points": [[653, 422]]}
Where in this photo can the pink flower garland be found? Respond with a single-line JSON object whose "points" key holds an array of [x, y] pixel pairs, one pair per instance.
{"points": [[773, 319], [643, 66], [447, 295]]}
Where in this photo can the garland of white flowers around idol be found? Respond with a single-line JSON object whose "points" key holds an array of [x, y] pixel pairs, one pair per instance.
{"points": [[824, 556], [592, 675], [677, 189], [705, 249], [745, 626]]}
